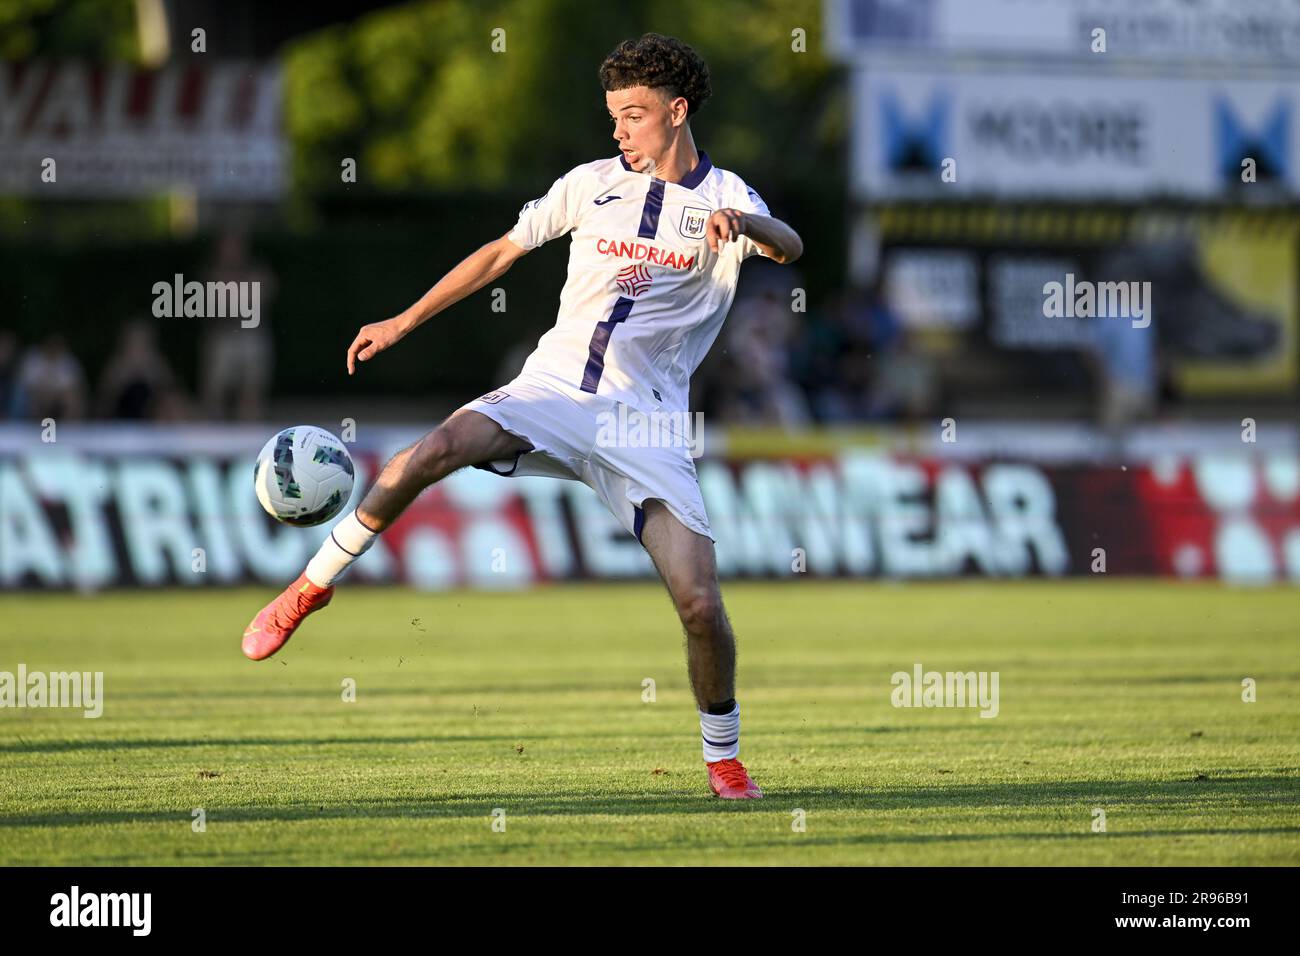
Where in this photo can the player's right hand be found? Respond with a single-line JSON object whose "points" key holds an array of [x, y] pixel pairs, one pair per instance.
{"points": [[371, 340]]}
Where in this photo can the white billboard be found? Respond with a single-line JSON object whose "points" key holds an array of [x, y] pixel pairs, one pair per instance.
{"points": [[934, 133], [1231, 32]]}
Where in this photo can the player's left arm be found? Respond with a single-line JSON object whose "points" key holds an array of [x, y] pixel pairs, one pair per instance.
{"points": [[774, 238]]}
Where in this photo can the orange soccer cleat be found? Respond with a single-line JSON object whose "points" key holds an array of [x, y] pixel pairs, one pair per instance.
{"points": [[276, 622], [728, 779]]}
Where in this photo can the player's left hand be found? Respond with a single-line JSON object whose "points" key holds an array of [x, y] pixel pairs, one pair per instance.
{"points": [[724, 225]]}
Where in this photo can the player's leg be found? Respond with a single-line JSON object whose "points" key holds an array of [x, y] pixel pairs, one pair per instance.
{"points": [[466, 438], [685, 560], [686, 563]]}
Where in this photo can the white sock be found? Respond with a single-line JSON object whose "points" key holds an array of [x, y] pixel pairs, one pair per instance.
{"points": [[349, 540], [721, 735]]}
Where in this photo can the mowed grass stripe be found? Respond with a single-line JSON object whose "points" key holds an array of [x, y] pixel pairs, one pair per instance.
{"points": [[1119, 695]]}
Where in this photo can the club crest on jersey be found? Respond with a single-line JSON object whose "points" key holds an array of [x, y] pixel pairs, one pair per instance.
{"points": [[693, 220], [633, 280]]}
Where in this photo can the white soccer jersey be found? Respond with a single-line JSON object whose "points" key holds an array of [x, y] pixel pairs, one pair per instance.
{"points": [[645, 295]]}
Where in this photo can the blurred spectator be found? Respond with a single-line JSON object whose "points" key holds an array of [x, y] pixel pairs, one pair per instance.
{"points": [[138, 382], [236, 362], [815, 360], [834, 359], [844, 398], [1127, 373], [51, 383], [8, 375], [871, 320], [754, 382], [1125, 354], [906, 384], [858, 363], [173, 406]]}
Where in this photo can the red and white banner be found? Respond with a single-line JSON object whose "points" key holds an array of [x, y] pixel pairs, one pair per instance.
{"points": [[105, 507], [71, 128]]}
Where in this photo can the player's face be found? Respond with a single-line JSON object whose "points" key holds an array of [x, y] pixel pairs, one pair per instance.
{"points": [[644, 123]]}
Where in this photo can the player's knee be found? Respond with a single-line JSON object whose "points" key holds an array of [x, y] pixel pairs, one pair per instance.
{"points": [[435, 456], [701, 612]]}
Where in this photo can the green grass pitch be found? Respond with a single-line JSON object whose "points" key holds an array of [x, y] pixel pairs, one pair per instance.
{"points": [[1119, 695]]}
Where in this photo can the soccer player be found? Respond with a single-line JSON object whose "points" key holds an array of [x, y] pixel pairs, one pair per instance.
{"points": [[658, 237]]}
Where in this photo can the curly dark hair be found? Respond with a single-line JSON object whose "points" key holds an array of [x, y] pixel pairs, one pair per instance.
{"points": [[659, 62]]}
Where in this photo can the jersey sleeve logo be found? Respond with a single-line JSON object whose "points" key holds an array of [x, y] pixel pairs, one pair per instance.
{"points": [[693, 220], [633, 280]]}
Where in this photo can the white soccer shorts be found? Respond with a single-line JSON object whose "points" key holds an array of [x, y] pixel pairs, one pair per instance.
{"points": [[570, 433]]}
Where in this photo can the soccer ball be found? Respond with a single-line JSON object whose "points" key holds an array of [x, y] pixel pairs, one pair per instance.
{"points": [[303, 476]]}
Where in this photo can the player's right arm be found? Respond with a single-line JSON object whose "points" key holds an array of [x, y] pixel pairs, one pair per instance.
{"points": [[489, 262], [540, 221]]}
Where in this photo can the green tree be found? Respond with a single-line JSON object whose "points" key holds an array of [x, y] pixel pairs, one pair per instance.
{"points": [[420, 98], [94, 29]]}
